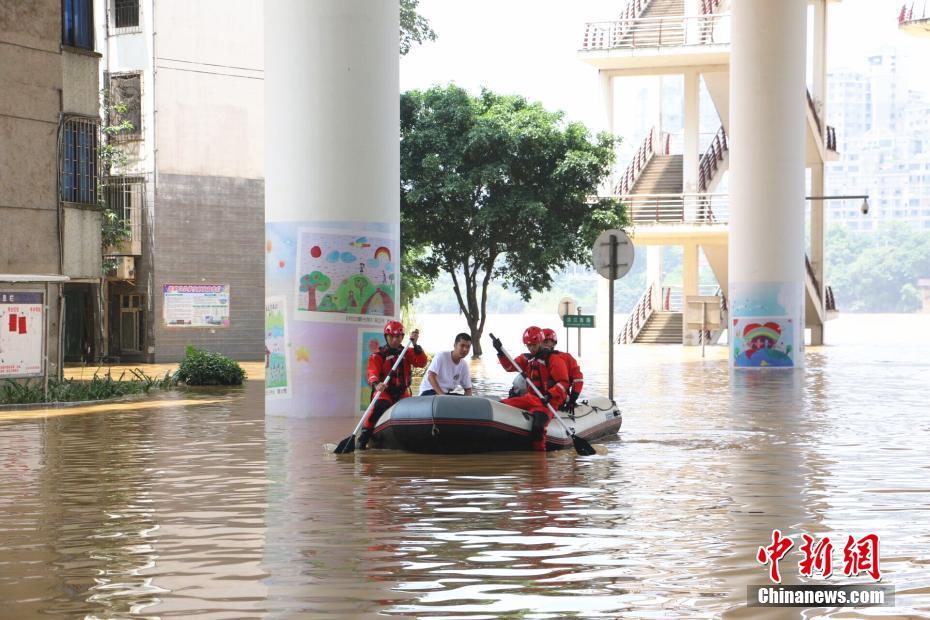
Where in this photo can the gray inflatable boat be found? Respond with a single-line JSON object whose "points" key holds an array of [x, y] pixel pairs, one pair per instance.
{"points": [[471, 424]]}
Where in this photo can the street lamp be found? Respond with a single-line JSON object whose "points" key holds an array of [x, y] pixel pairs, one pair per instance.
{"points": [[865, 200]]}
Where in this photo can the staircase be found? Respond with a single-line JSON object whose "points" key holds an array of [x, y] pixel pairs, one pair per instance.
{"points": [[663, 175], [653, 26], [663, 327]]}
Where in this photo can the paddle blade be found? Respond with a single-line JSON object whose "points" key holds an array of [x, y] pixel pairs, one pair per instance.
{"points": [[346, 446], [583, 447]]}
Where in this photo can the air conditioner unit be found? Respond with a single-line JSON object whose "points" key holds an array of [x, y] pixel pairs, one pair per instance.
{"points": [[125, 268]]}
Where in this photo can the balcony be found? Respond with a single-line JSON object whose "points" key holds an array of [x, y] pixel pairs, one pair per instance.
{"points": [[125, 196], [643, 44]]}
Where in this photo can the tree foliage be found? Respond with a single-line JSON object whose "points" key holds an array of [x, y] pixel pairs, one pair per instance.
{"points": [[877, 271], [497, 188], [414, 28]]}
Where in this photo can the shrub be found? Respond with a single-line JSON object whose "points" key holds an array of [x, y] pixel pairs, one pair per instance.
{"points": [[100, 387], [207, 368]]}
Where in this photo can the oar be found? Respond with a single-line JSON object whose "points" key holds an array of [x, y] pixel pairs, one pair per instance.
{"points": [[347, 445], [582, 446]]}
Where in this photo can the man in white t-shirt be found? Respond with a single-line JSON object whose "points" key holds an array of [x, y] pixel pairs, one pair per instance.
{"points": [[449, 369]]}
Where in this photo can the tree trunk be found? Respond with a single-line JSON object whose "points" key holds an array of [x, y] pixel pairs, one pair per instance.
{"points": [[476, 330], [311, 299]]}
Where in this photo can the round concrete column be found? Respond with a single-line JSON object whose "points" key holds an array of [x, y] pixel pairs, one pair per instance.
{"points": [[331, 199], [767, 131]]}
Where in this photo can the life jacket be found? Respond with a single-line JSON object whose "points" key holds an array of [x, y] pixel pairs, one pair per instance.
{"points": [[401, 379]]}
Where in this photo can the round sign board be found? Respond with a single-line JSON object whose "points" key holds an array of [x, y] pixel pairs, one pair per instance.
{"points": [[566, 306], [600, 253]]}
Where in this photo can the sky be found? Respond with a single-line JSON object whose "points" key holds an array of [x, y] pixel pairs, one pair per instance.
{"points": [[529, 47]]}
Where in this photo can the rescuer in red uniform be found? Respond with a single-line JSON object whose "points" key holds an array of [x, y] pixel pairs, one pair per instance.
{"points": [[379, 365], [575, 376], [547, 372]]}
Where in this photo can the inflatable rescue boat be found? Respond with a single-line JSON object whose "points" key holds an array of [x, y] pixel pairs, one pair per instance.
{"points": [[470, 424]]}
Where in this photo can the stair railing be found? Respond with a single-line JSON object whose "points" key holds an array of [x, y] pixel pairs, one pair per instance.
{"points": [[712, 157], [638, 317], [642, 157], [831, 302]]}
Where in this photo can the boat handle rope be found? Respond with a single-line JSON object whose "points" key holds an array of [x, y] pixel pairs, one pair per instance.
{"points": [[432, 412]]}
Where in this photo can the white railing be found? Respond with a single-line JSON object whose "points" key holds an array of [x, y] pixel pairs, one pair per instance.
{"points": [[639, 316], [917, 10], [712, 158], [653, 32], [695, 208], [673, 299]]}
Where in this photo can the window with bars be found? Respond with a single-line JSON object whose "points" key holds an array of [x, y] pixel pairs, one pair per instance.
{"points": [[126, 15], [77, 23], [78, 160]]}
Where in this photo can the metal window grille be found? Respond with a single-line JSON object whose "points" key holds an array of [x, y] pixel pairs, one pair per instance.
{"points": [[78, 160], [125, 196], [77, 23], [126, 16]]}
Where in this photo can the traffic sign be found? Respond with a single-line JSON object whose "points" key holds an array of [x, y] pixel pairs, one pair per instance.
{"points": [[612, 246], [578, 320], [566, 306]]}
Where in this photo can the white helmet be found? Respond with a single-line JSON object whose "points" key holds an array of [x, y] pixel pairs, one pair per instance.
{"points": [[519, 386]]}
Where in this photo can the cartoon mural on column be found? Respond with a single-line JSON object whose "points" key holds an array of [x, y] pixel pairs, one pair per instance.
{"points": [[344, 276]]}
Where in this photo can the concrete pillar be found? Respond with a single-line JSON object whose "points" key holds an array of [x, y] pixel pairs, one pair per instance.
{"points": [[689, 282], [818, 243], [767, 125], [819, 53], [332, 213], [606, 83], [654, 264], [692, 142]]}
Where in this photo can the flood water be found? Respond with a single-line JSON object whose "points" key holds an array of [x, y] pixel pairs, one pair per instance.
{"points": [[199, 507]]}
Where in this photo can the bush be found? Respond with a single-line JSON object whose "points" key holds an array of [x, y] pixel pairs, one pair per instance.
{"points": [[207, 368], [72, 390]]}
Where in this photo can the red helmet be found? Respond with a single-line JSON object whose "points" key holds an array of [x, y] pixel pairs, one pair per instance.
{"points": [[549, 334], [394, 328], [532, 335]]}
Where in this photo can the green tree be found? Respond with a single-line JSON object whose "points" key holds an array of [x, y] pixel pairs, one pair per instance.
{"points": [[496, 188], [414, 28], [877, 271]]}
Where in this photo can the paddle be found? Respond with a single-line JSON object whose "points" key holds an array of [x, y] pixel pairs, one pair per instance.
{"points": [[582, 446], [347, 445]]}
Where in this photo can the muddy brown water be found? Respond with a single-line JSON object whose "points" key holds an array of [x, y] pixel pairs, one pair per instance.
{"points": [[205, 509]]}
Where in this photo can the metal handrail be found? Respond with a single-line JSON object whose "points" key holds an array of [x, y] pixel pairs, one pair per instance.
{"points": [[907, 14], [684, 208], [640, 160], [707, 167], [652, 32], [638, 317], [831, 302]]}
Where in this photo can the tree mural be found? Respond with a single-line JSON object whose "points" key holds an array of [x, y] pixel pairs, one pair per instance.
{"points": [[312, 282]]}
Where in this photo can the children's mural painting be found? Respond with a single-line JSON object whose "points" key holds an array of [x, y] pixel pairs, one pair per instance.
{"points": [[343, 274], [763, 332], [277, 368], [368, 343]]}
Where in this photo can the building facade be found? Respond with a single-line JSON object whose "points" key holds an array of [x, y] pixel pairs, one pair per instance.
{"points": [[190, 183], [50, 222]]}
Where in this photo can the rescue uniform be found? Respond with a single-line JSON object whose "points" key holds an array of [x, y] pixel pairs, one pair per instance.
{"points": [[379, 365], [550, 375], [575, 376]]}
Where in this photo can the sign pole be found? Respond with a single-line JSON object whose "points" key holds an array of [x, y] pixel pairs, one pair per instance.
{"points": [[568, 343], [703, 327], [610, 320], [579, 335]]}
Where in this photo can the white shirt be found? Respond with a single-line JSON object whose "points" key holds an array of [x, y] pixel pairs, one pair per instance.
{"points": [[448, 374]]}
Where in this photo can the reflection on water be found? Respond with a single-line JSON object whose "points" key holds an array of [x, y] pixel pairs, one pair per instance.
{"points": [[205, 510]]}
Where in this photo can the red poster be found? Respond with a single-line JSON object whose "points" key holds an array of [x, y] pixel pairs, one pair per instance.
{"points": [[22, 325], [12, 322]]}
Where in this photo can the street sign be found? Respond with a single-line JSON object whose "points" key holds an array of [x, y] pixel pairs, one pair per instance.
{"points": [[622, 254], [578, 320], [566, 306]]}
